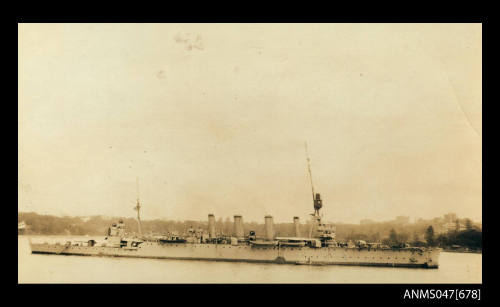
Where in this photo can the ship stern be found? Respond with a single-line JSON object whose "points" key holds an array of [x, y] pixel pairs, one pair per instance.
{"points": [[433, 258]]}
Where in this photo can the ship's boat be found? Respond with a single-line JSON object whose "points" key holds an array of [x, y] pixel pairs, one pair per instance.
{"points": [[170, 239], [299, 242], [258, 243], [176, 240]]}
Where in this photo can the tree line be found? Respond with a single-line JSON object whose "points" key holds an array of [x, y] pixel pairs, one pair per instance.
{"points": [[38, 224], [390, 233], [470, 238]]}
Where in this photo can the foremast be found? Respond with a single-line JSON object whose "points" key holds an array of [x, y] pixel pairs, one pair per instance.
{"points": [[138, 209]]}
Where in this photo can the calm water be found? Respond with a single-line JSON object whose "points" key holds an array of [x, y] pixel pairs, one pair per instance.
{"points": [[454, 268]]}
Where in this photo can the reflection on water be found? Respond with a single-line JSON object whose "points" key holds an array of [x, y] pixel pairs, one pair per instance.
{"points": [[454, 268]]}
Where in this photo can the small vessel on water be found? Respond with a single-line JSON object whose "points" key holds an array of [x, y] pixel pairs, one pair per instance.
{"points": [[320, 247]]}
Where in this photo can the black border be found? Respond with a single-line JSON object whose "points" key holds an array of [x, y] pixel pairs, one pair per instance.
{"points": [[244, 293]]}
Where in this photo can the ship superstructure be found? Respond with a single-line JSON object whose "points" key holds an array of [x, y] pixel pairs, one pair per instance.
{"points": [[249, 248], [319, 247]]}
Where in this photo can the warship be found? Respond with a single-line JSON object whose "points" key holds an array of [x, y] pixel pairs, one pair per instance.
{"points": [[318, 247]]}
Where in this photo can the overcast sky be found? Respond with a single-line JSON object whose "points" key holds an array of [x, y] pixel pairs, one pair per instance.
{"points": [[212, 118]]}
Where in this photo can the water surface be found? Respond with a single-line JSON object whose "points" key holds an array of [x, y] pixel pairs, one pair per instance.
{"points": [[32, 268]]}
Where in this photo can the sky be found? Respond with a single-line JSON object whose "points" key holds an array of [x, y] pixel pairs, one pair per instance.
{"points": [[212, 118]]}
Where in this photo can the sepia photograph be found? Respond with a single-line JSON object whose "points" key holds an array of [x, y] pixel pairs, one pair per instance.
{"points": [[250, 153]]}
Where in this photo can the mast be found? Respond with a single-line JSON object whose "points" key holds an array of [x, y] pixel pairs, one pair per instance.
{"points": [[138, 209], [309, 168], [317, 202], [312, 186]]}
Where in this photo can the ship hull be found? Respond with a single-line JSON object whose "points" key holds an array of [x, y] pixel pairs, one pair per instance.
{"points": [[411, 258]]}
